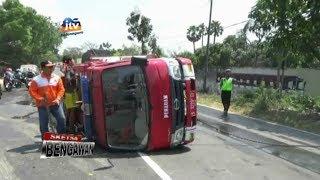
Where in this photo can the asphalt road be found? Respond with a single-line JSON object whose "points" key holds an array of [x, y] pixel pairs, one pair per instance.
{"points": [[212, 156]]}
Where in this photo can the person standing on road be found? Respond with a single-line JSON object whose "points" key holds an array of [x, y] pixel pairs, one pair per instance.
{"points": [[47, 91], [71, 94], [226, 86]]}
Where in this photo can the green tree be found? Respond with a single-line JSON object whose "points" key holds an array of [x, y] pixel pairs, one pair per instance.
{"points": [[215, 29], [193, 35], [225, 56], [89, 45], [105, 46], [73, 52], [140, 28], [239, 49], [127, 51], [25, 36], [102, 50], [202, 31], [189, 55], [291, 27], [153, 44]]}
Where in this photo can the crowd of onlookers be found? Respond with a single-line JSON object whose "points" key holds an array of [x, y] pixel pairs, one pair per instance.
{"points": [[54, 89]]}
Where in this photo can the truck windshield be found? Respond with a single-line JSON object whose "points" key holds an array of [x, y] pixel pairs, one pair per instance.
{"points": [[126, 107]]}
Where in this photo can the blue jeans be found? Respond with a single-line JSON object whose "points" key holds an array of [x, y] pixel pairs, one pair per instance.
{"points": [[87, 122], [57, 112]]}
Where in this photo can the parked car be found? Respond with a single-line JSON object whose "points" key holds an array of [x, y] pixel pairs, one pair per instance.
{"points": [[29, 67]]}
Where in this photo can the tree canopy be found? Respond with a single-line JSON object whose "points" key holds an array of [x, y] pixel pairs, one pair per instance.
{"points": [[193, 35], [287, 33], [25, 36], [73, 52], [291, 27], [140, 28], [215, 29]]}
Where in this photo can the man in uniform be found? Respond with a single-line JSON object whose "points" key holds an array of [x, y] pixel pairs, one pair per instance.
{"points": [[226, 86]]}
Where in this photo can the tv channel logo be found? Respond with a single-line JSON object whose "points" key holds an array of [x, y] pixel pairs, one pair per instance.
{"points": [[61, 145], [70, 26]]}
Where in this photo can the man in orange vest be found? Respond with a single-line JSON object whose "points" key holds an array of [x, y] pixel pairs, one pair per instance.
{"points": [[47, 91]]}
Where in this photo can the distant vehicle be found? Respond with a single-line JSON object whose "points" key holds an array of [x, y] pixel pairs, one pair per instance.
{"points": [[18, 78], [0, 91], [255, 80], [8, 80], [28, 76], [29, 67]]}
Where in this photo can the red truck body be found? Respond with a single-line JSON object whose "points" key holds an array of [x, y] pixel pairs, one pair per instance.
{"points": [[141, 103]]}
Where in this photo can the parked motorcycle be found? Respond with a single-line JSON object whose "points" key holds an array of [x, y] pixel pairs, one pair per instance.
{"points": [[8, 80], [28, 77], [0, 91], [18, 79]]}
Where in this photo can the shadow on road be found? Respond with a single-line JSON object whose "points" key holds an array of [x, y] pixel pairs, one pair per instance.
{"points": [[26, 149], [37, 136], [23, 102], [100, 152], [176, 150], [110, 155], [106, 167], [24, 116]]}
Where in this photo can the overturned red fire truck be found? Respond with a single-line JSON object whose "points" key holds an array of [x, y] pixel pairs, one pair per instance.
{"points": [[138, 103]]}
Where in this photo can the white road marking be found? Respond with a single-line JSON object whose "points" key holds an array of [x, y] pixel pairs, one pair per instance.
{"points": [[6, 170], [3, 118], [163, 175]]}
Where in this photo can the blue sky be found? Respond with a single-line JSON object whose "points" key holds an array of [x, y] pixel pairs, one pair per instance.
{"points": [[104, 20]]}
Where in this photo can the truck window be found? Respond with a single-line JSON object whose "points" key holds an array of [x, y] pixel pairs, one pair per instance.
{"points": [[126, 107]]}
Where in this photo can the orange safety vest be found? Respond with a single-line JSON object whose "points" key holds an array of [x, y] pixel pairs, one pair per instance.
{"points": [[49, 89]]}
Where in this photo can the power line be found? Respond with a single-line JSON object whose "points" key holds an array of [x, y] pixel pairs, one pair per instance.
{"points": [[235, 24], [174, 36]]}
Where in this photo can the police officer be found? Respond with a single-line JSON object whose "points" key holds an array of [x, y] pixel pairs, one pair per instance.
{"points": [[226, 86]]}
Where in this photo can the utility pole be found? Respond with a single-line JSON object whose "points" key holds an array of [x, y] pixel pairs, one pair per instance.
{"points": [[207, 52]]}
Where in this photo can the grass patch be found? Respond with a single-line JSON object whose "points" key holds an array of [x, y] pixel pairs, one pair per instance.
{"points": [[291, 109], [214, 101], [211, 100]]}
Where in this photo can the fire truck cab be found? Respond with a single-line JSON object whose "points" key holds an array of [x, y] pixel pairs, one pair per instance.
{"points": [[139, 103]]}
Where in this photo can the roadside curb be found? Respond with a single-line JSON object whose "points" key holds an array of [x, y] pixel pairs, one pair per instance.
{"points": [[265, 122]]}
